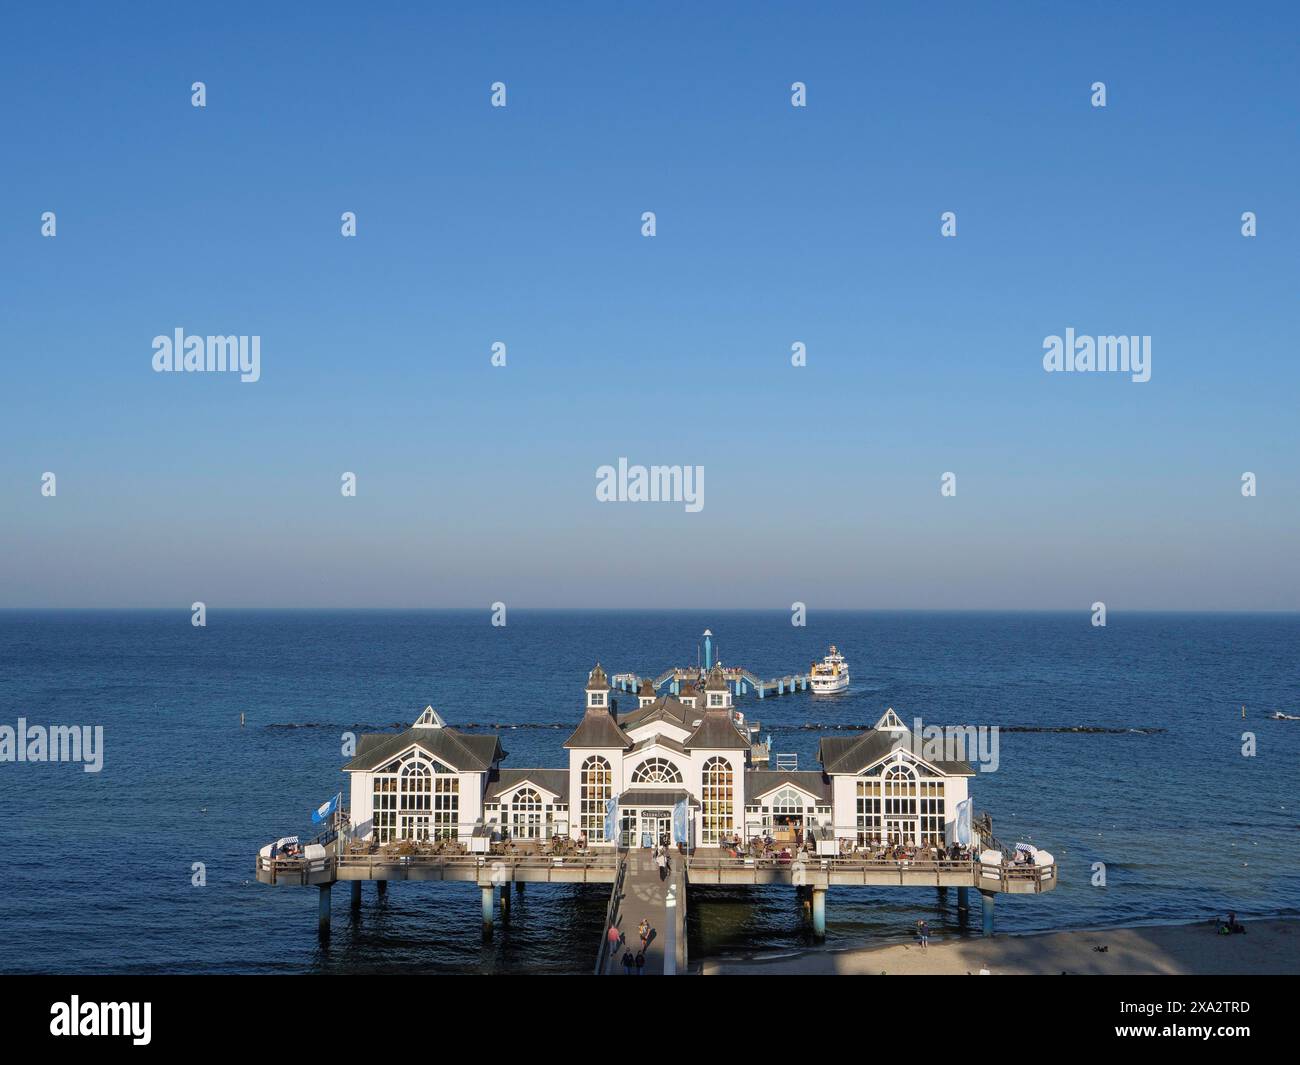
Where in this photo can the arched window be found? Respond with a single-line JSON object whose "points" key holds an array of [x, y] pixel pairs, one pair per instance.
{"points": [[901, 825], [415, 792], [787, 801], [526, 814], [656, 771], [596, 788], [717, 800]]}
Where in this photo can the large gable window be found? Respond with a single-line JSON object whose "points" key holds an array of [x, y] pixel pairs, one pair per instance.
{"points": [[717, 800], [596, 788], [526, 814], [415, 798], [656, 771]]}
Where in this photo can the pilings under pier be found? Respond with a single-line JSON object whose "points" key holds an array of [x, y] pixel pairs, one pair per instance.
{"points": [[819, 914], [381, 886], [356, 896], [988, 897], [323, 922]]}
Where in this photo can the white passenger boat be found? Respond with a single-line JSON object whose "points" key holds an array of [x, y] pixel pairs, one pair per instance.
{"points": [[831, 674]]}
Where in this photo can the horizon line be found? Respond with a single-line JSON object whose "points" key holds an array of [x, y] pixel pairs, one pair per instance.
{"points": [[185, 608]]}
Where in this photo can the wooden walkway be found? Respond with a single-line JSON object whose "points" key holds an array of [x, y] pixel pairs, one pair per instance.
{"points": [[663, 904]]}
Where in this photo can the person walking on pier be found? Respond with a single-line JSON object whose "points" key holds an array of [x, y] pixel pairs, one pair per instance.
{"points": [[615, 939], [662, 862], [629, 963], [643, 931]]}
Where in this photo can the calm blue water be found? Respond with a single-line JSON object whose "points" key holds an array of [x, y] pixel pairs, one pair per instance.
{"points": [[98, 867]]}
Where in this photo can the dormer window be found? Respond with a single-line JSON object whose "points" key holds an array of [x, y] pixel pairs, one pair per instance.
{"points": [[715, 699]]}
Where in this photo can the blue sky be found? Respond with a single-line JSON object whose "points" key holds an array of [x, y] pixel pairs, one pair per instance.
{"points": [[775, 225]]}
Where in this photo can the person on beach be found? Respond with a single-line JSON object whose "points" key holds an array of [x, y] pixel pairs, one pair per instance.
{"points": [[923, 934]]}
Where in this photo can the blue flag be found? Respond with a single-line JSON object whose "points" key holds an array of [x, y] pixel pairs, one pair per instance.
{"points": [[611, 815], [324, 810], [961, 829]]}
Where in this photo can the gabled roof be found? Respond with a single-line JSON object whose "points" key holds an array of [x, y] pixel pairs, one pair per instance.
{"points": [[429, 719], [852, 754], [717, 732], [659, 741], [664, 708], [503, 781], [890, 721], [457, 750], [759, 782], [598, 729]]}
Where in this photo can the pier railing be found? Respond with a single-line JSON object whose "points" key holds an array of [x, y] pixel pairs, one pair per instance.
{"points": [[907, 871], [611, 914], [299, 870]]}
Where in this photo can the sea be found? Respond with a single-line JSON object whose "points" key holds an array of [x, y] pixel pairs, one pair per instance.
{"points": [[1123, 750]]}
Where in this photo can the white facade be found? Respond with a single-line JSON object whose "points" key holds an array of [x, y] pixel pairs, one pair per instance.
{"points": [[669, 764]]}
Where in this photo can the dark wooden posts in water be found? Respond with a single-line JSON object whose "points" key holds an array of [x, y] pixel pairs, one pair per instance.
{"points": [[988, 897], [356, 896], [505, 903], [488, 893], [381, 886], [324, 909]]}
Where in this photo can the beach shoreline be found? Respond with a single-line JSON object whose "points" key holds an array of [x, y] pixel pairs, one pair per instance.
{"points": [[1269, 947]]}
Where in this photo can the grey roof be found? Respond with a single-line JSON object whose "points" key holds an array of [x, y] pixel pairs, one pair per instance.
{"points": [[661, 741], [596, 681], [761, 781], [598, 729], [852, 754], [459, 750], [716, 682], [553, 780], [665, 708], [665, 797], [718, 732]]}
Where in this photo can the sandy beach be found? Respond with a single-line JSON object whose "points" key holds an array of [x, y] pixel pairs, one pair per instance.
{"points": [[1268, 947]]}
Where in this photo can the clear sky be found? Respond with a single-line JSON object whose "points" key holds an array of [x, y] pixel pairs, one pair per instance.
{"points": [[776, 224]]}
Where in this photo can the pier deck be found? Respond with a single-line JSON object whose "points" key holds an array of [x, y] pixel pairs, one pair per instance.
{"points": [[638, 892], [707, 866]]}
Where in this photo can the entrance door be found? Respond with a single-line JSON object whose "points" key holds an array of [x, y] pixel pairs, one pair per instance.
{"points": [[656, 825], [901, 830], [414, 826]]}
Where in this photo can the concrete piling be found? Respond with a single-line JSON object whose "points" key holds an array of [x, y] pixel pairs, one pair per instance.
{"points": [[819, 913]]}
